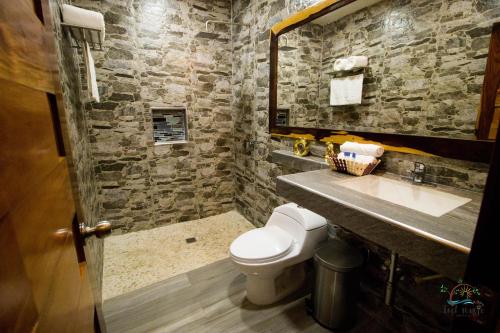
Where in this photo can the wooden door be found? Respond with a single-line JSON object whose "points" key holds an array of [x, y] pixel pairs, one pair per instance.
{"points": [[43, 286]]}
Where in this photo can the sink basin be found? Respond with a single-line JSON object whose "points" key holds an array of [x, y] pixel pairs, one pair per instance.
{"points": [[419, 198]]}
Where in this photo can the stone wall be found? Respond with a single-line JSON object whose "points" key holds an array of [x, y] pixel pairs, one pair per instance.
{"points": [[81, 159], [426, 66], [157, 53], [255, 175]]}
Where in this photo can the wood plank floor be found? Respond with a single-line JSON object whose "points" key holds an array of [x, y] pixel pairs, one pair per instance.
{"points": [[208, 299]]}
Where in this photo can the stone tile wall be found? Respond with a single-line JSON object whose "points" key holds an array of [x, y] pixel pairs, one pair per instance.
{"points": [[157, 53], [81, 159]]}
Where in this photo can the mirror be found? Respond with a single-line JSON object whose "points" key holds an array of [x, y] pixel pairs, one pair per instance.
{"points": [[426, 65]]}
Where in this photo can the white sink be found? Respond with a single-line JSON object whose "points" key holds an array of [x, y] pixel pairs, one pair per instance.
{"points": [[420, 198]]}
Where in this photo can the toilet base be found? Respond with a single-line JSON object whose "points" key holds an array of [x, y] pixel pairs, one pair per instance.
{"points": [[264, 290]]}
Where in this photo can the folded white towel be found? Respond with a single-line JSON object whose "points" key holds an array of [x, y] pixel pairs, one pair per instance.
{"points": [[365, 159], [84, 18], [346, 90], [350, 63], [91, 77], [362, 149]]}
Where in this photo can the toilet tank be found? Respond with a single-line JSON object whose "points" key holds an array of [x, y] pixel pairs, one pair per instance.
{"points": [[307, 229], [297, 221], [304, 217]]}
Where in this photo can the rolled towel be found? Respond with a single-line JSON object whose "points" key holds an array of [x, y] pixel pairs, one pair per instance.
{"points": [[350, 63], [345, 155], [84, 18], [339, 64], [362, 149], [365, 159]]}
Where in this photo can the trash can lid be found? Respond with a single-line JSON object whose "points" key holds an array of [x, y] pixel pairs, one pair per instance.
{"points": [[339, 256]]}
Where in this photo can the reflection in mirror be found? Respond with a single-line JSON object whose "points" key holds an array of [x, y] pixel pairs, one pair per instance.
{"points": [[299, 64], [283, 117], [426, 63]]}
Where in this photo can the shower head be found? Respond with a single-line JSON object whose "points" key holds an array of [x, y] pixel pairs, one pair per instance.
{"points": [[286, 47]]}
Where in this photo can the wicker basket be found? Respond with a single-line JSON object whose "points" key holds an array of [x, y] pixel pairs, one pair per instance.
{"points": [[348, 166]]}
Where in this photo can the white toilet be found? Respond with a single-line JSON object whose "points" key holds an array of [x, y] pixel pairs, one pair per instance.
{"points": [[273, 257]]}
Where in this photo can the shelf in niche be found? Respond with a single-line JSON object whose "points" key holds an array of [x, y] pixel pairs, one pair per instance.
{"points": [[283, 116], [169, 125], [158, 144]]}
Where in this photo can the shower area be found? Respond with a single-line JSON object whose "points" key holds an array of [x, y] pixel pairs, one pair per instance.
{"points": [[162, 139]]}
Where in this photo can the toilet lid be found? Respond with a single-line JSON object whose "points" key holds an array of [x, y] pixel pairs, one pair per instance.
{"points": [[260, 245]]}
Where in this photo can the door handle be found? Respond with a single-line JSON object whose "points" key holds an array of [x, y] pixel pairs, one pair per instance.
{"points": [[100, 230]]}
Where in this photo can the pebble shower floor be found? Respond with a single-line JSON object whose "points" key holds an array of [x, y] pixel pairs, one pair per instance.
{"points": [[138, 259]]}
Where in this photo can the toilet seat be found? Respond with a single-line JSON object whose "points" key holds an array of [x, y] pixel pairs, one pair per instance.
{"points": [[261, 245]]}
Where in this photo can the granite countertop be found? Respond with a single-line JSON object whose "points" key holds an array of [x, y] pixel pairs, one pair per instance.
{"points": [[454, 229]]}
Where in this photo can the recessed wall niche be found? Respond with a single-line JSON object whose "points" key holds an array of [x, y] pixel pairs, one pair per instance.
{"points": [[283, 117], [169, 125]]}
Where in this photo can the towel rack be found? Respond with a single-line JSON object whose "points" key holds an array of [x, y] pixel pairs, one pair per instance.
{"points": [[79, 35]]}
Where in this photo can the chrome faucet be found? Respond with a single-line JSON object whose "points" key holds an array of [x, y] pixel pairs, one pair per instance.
{"points": [[418, 173]]}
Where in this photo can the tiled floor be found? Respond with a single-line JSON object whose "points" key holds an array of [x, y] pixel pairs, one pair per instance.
{"points": [[139, 259], [211, 299]]}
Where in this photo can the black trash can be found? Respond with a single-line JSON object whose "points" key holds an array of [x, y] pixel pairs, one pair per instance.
{"points": [[336, 286]]}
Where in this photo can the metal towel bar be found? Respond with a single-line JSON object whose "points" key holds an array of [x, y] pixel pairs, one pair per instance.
{"points": [[79, 35]]}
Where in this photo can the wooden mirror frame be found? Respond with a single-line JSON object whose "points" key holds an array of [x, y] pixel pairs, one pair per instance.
{"points": [[477, 150]]}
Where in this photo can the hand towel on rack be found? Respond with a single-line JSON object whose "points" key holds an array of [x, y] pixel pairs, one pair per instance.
{"points": [[84, 18], [362, 148], [346, 90], [91, 77], [350, 63]]}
